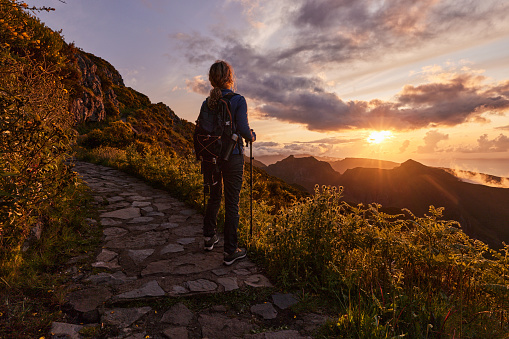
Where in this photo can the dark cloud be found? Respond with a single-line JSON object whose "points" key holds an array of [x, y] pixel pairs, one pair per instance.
{"points": [[456, 101], [198, 49], [431, 140], [361, 29], [461, 99], [320, 35]]}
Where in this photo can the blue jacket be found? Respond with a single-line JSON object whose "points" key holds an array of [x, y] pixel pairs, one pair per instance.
{"points": [[241, 123]]}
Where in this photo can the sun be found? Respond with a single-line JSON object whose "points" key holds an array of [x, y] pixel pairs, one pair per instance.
{"points": [[377, 137]]}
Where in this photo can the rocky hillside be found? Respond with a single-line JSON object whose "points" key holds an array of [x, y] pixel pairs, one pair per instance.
{"points": [[93, 89], [108, 113]]}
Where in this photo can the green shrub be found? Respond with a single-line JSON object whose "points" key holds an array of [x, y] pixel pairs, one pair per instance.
{"points": [[392, 275], [118, 134], [35, 139]]}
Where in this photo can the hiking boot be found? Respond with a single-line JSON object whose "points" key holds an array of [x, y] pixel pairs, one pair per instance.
{"points": [[238, 254], [210, 242]]}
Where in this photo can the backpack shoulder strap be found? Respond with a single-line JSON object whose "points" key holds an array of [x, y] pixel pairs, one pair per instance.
{"points": [[228, 114]]}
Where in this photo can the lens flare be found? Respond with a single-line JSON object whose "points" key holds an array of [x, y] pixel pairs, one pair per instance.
{"points": [[377, 137]]}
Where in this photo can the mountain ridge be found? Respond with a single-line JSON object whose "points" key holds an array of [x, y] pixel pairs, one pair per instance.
{"points": [[414, 186]]}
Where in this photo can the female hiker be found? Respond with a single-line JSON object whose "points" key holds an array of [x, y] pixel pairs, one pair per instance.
{"points": [[229, 173]]}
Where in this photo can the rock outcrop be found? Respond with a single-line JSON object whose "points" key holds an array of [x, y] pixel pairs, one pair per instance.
{"points": [[96, 97]]}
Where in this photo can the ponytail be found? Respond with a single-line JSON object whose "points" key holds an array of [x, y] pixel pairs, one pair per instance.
{"points": [[221, 76], [215, 95]]}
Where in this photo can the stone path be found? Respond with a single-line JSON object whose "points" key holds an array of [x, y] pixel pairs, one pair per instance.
{"points": [[152, 249]]}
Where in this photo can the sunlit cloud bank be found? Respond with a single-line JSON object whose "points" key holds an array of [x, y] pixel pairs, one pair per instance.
{"points": [[320, 36], [485, 145], [480, 178]]}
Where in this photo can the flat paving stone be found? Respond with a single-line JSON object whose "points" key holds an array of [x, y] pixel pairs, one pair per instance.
{"points": [[146, 239], [221, 271], [242, 271], [155, 214], [117, 278], [141, 203], [176, 333], [172, 248], [186, 241], [114, 232], [177, 289], [138, 256], [125, 213], [65, 330], [124, 317], [229, 283], [201, 285], [258, 280], [88, 299], [150, 289], [221, 327], [143, 228], [137, 198], [265, 310], [115, 199], [169, 225], [140, 220], [111, 265], [178, 314], [106, 255], [162, 206], [177, 218], [118, 205]]}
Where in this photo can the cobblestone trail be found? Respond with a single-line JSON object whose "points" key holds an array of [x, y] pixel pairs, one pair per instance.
{"points": [[153, 247]]}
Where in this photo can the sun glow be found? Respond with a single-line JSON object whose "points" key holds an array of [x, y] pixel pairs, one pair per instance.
{"points": [[377, 137]]}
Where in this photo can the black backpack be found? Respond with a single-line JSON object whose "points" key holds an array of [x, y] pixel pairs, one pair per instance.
{"points": [[214, 132]]}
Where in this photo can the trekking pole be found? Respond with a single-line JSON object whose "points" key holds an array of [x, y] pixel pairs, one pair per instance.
{"points": [[251, 188]]}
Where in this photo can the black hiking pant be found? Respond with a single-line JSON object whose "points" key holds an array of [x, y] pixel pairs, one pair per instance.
{"points": [[231, 173]]}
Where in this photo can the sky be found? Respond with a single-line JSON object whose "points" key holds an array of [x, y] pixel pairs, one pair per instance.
{"points": [[386, 79]]}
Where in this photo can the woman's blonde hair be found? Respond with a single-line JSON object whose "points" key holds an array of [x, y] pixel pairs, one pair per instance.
{"points": [[221, 76]]}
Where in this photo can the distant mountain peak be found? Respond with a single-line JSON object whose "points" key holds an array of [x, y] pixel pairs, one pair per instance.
{"points": [[411, 162]]}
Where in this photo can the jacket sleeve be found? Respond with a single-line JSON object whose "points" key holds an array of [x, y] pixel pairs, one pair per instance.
{"points": [[241, 120]]}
